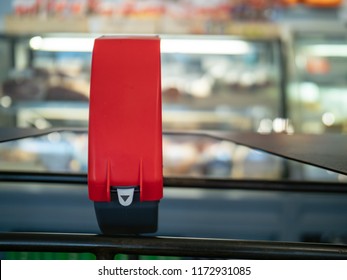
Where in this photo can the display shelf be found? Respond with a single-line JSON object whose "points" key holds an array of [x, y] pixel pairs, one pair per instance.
{"points": [[31, 24], [163, 25]]}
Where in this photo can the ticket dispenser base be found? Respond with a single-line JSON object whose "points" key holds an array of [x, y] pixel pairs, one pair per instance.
{"points": [[132, 219]]}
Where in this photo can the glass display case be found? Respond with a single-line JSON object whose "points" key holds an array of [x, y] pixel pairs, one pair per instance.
{"points": [[208, 82], [317, 94]]}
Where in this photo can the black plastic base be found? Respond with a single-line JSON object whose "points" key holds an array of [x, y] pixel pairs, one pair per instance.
{"points": [[139, 217]]}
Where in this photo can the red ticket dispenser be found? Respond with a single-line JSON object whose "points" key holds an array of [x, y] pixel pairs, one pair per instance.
{"points": [[125, 178]]}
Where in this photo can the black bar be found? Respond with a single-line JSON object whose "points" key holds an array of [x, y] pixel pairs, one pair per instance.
{"points": [[258, 185], [186, 182], [104, 246], [36, 177]]}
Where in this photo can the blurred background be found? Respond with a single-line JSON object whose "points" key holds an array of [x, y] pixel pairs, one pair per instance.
{"points": [[265, 66], [235, 65]]}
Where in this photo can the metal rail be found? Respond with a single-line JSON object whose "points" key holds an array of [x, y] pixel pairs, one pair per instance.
{"points": [[106, 247]]}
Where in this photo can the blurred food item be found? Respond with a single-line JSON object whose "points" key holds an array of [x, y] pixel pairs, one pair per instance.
{"points": [[202, 87], [59, 93], [36, 85], [16, 155], [253, 164], [217, 159], [317, 65], [22, 90], [195, 156], [171, 94], [179, 157]]}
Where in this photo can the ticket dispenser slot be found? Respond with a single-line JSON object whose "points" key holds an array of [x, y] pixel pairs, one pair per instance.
{"points": [[125, 178]]}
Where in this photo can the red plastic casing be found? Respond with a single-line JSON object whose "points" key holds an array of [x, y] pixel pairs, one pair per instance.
{"points": [[125, 124]]}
